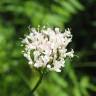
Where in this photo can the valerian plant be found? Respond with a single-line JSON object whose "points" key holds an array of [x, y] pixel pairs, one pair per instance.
{"points": [[46, 49]]}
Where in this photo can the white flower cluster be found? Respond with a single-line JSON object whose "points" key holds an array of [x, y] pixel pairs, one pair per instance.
{"points": [[47, 48]]}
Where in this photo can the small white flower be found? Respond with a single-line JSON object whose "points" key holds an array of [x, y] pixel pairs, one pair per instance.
{"points": [[48, 48], [49, 66]]}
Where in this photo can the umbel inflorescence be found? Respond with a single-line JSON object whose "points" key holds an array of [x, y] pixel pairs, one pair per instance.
{"points": [[47, 47]]}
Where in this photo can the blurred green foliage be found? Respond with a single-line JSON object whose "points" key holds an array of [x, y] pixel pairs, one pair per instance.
{"points": [[16, 77]]}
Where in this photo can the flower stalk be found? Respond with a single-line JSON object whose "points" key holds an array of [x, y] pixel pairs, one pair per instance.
{"points": [[38, 82]]}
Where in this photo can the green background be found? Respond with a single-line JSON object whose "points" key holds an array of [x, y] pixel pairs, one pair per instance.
{"points": [[78, 77]]}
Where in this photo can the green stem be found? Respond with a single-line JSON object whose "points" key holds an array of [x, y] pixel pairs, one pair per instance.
{"points": [[37, 84]]}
